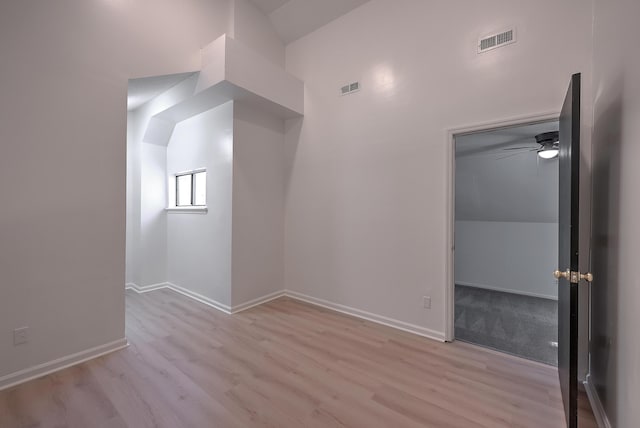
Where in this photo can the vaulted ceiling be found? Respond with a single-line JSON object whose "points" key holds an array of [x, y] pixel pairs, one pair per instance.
{"points": [[293, 19], [499, 177]]}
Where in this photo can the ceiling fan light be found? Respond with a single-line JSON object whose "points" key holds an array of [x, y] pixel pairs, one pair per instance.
{"points": [[549, 144], [548, 153]]}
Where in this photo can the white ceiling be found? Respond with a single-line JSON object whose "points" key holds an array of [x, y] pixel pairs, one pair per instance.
{"points": [[493, 184], [144, 89], [294, 19]]}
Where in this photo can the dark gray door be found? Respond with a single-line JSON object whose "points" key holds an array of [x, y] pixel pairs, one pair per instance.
{"points": [[568, 251]]}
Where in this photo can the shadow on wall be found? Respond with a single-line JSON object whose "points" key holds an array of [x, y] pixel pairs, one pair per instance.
{"points": [[292, 131], [607, 138]]}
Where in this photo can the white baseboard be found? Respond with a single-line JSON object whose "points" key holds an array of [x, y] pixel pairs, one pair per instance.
{"points": [[203, 299], [44, 369], [505, 290], [379, 319], [146, 288], [256, 302], [181, 290], [596, 405], [200, 298]]}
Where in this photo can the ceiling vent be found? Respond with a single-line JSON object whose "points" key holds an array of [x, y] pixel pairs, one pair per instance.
{"points": [[497, 40], [350, 88]]}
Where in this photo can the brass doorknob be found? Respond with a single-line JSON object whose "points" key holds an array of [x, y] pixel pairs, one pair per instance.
{"points": [[587, 276], [558, 274]]}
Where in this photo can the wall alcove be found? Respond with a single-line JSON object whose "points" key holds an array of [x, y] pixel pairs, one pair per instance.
{"points": [[226, 119]]}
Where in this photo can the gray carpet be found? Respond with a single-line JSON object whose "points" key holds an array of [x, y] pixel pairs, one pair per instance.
{"points": [[512, 323]]}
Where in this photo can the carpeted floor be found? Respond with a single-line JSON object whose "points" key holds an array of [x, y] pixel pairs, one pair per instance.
{"points": [[512, 323]]}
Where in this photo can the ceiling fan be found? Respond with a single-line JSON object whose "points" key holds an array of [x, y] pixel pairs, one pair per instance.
{"points": [[548, 146]]}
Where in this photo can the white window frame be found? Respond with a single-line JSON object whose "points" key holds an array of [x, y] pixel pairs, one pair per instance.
{"points": [[173, 193]]}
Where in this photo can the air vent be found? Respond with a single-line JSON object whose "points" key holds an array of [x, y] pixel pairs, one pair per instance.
{"points": [[497, 40], [350, 88]]}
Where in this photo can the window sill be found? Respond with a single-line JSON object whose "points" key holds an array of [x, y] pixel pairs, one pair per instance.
{"points": [[187, 210]]}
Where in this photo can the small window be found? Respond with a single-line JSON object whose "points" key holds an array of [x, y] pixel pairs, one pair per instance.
{"points": [[191, 189]]}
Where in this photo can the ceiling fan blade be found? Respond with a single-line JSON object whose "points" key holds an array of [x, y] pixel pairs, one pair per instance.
{"points": [[511, 155], [520, 148]]}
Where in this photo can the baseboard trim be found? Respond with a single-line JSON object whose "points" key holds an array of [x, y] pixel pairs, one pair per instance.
{"points": [[348, 310], [200, 298], [47, 368], [378, 319], [257, 302], [146, 288], [203, 299], [180, 290], [504, 290], [596, 405]]}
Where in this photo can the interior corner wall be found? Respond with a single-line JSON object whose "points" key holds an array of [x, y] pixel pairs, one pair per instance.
{"points": [[615, 344], [513, 257], [146, 250], [199, 245], [366, 204], [63, 116], [251, 27], [153, 218], [258, 204], [133, 201]]}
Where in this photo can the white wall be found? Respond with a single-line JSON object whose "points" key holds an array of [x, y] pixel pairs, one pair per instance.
{"points": [[366, 216], [258, 204], [615, 346], [507, 256], [255, 30], [152, 260], [133, 200], [63, 127], [199, 245]]}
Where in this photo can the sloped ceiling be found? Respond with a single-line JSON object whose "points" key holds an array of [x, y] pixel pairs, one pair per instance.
{"points": [[293, 19], [493, 184], [144, 89], [268, 6]]}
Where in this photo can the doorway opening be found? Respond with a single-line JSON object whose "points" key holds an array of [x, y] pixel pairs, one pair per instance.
{"points": [[505, 233]]}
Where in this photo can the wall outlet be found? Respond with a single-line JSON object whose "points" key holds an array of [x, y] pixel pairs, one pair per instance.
{"points": [[20, 335], [426, 302]]}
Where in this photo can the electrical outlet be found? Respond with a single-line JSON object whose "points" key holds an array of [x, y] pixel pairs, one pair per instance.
{"points": [[426, 302], [20, 335]]}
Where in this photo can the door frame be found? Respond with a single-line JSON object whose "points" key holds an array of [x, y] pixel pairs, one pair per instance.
{"points": [[451, 133]]}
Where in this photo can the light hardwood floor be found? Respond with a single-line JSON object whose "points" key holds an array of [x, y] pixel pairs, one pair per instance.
{"points": [[284, 364]]}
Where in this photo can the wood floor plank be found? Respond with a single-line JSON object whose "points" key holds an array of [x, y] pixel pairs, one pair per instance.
{"points": [[284, 364]]}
